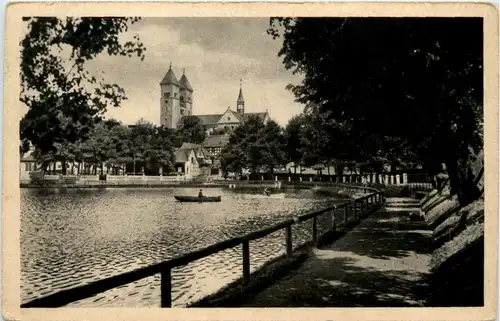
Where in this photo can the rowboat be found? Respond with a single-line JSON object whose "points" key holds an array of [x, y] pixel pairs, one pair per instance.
{"points": [[196, 199], [280, 195]]}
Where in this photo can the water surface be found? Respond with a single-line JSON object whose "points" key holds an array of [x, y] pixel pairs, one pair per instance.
{"points": [[73, 237]]}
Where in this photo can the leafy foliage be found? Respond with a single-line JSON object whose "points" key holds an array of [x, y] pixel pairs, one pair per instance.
{"points": [[191, 130], [397, 89], [147, 146], [64, 100], [254, 145]]}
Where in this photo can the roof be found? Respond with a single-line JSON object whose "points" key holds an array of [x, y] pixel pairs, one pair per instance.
{"points": [[170, 78], [262, 116], [216, 141], [214, 118], [184, 83], [186, 146], [28, 158], [181, 156], [209, 119]]}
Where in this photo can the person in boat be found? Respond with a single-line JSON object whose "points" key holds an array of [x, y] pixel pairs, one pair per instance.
{"points": [[266, 192], [200, 194]]}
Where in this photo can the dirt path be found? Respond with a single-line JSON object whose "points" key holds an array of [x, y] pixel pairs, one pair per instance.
{"points": [[380, 263]]}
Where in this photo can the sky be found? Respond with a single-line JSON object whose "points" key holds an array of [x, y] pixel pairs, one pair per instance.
{"points": [[215, 53]]}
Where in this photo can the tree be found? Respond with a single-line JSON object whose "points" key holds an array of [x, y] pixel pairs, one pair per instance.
{"points": [[272, 146], [191, 130], [240, 152], [64, 100], [416, 82], [254, 145], [150, 147], [294, 148]]}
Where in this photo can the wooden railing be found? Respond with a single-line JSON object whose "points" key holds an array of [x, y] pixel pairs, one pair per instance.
{"points": [[360, 207]]}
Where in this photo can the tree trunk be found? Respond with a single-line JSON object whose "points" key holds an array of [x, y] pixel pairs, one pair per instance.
{"points": [[73, 168], [43, 168], [54, 167], [393, 166], [462, 181], [63, 167]]}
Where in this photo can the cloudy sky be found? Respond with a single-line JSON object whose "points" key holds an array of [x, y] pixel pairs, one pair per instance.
{"points": [[215, 53]]}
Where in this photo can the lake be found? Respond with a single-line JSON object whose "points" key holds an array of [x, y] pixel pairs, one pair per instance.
{"points": [[73, 237]]}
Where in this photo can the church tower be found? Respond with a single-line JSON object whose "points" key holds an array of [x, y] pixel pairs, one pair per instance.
{"points": [[186, 96], [170, 100], [240, 103]]}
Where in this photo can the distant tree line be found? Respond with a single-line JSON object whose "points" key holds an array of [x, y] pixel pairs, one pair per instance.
{"points": [[111, 147]]}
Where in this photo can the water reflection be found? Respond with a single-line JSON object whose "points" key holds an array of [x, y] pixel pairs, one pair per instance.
{"points": [[77, 236]]}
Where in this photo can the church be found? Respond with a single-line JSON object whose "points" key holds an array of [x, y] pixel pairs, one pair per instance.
{"points": [[177, 101]]}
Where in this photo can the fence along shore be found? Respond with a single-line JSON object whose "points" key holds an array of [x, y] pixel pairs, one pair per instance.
{"points": [[357, 207]]}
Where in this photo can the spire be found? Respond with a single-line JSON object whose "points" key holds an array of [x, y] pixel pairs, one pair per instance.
{"points": [[240, 103], [184, 82], [240, 95], [170, 78]]}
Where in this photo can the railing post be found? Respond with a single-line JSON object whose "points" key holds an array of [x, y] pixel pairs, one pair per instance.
{"points": [[166, 288], [246, 261], [315, 229], [288, 238], [345, 218], [333, 219]]}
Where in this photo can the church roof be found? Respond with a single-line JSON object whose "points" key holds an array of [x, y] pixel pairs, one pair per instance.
{"points": [[184, 83], [209, 119], [170, 78], [214, 118], [245, 116]]}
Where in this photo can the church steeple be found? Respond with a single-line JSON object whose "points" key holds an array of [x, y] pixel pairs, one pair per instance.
{"points": [[170, 78], [240, 103], [184, 82]]}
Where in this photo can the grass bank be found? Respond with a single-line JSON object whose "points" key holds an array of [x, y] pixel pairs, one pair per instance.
{"points": [[456, 276]]}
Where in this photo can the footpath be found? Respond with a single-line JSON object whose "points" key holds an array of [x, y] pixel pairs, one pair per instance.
{"points": [[382, 262]]}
